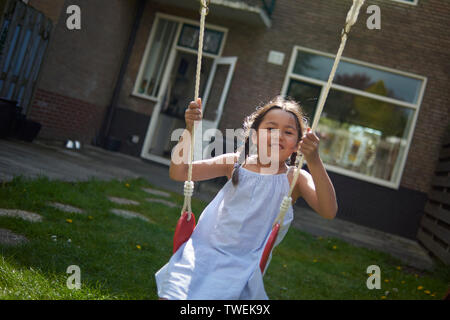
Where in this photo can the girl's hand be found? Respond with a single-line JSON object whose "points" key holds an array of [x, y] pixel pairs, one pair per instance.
{"points": [[193, 113], [309, 146]]}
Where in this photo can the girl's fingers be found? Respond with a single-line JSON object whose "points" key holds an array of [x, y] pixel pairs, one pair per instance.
{"points": [[196, 104], [193, 112], [193, 118], [311, 137], [308, 145]]}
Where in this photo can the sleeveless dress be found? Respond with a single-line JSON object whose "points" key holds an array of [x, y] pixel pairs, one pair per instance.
{"points": [[221, 259]]}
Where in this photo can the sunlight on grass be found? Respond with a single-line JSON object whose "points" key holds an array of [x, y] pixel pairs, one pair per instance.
{"points": [[118, 256]]}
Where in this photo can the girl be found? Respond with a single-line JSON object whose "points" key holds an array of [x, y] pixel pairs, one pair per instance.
{"points": [[221, 259]]}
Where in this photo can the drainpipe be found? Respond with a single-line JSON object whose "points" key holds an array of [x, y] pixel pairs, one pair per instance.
{"points": [[102, 138]]}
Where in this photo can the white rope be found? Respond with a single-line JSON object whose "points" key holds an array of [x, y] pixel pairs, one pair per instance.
{"points": [[189, 185], [352, 17]]}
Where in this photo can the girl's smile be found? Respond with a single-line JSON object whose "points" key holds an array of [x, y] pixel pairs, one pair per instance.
{"points": [[279, 131], [277, 138]]}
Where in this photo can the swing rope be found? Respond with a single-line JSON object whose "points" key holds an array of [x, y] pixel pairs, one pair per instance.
{"points": [[189, 184], [185, 226], [352, 17]]}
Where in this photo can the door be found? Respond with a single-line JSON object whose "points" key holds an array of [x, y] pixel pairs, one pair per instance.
{"points": [[177, 92], [213, 102]]}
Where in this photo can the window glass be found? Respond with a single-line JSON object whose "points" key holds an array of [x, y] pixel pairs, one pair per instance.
{"points": [[359, 77], [307, 94], [157, 58], [407, 1], [211, 41], [358, 132]]}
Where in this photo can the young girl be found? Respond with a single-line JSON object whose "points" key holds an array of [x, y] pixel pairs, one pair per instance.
{"points": [[221, 259]]}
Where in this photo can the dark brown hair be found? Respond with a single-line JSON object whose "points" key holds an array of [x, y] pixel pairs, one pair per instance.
{"points": [[253, 121]]}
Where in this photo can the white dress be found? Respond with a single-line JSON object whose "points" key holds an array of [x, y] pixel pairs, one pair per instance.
{"points": [[221, 259]]}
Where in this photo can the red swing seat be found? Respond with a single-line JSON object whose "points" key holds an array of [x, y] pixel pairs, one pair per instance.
{"points": [[269, 246], [183, 230]]}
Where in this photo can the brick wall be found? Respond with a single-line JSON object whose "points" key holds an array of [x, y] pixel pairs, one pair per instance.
{"points": [[81, 67], [80, 71], [63, 117], [412, 39]]}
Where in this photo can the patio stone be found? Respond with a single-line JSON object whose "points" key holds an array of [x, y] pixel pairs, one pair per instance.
{"points": [[65, 207], [167, 203], [7, 237], [123, 201], [25, 215], [130, 214], [156, 192]]}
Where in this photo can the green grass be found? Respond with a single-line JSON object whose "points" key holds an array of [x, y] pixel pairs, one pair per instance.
{"points": [[104, 246]]}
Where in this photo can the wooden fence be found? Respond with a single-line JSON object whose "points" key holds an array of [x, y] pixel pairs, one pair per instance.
{"points": [[434, 230], [24, 36]]}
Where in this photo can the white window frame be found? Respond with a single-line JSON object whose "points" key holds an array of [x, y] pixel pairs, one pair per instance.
{"points": [[415, 106], [407, 2], [173, 46]]}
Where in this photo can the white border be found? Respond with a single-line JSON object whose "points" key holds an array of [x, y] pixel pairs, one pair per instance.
{"points": [[395, 184]]}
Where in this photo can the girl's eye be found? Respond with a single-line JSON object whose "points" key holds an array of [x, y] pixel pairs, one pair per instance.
{"points": [[288, 132]]}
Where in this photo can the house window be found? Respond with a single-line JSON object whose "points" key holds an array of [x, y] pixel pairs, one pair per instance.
{"points": [[169, 32], [156, 59], [413, 2], [369, 116], [211, 41]]}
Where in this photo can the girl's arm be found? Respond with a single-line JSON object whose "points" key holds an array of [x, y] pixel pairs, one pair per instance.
{"points": [[316, 188], [202, 169]]}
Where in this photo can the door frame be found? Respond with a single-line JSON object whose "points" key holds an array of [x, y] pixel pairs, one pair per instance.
{"points": [[231, 61], [166, 76]]}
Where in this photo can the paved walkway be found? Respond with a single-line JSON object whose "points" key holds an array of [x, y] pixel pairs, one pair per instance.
{"points": [[56, 162]]}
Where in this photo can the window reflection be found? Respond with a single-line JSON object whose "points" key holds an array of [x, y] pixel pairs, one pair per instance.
{"points": [[190, 34], [157, 58], [358, 133], [358, 76]]}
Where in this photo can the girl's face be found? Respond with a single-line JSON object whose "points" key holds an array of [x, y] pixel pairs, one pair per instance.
{"points": [[277, 132]]}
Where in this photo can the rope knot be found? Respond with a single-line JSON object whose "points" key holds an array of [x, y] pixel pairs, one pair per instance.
{"points": [[204, 4], [286, 203], [188, 188], [352, 15]]}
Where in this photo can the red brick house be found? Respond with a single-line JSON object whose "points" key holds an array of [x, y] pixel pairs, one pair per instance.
{"points": [[124, 79]]}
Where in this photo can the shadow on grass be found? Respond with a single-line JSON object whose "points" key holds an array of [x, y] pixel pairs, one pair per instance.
{"points": [[118, 257]]}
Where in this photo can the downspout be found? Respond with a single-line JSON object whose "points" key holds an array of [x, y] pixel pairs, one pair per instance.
{"points": [[102, 138]]}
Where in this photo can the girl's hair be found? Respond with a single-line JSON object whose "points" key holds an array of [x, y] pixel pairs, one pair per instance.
{"points": [[253, 121]]}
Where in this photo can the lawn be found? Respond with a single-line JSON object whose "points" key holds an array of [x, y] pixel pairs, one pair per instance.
{"points": [[118, 256]]}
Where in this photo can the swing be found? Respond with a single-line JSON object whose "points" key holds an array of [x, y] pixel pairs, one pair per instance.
{"points": [[186, 222]]}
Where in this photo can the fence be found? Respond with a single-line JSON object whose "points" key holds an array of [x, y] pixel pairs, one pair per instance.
{"points": [[24, 36], [434, 230]]}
